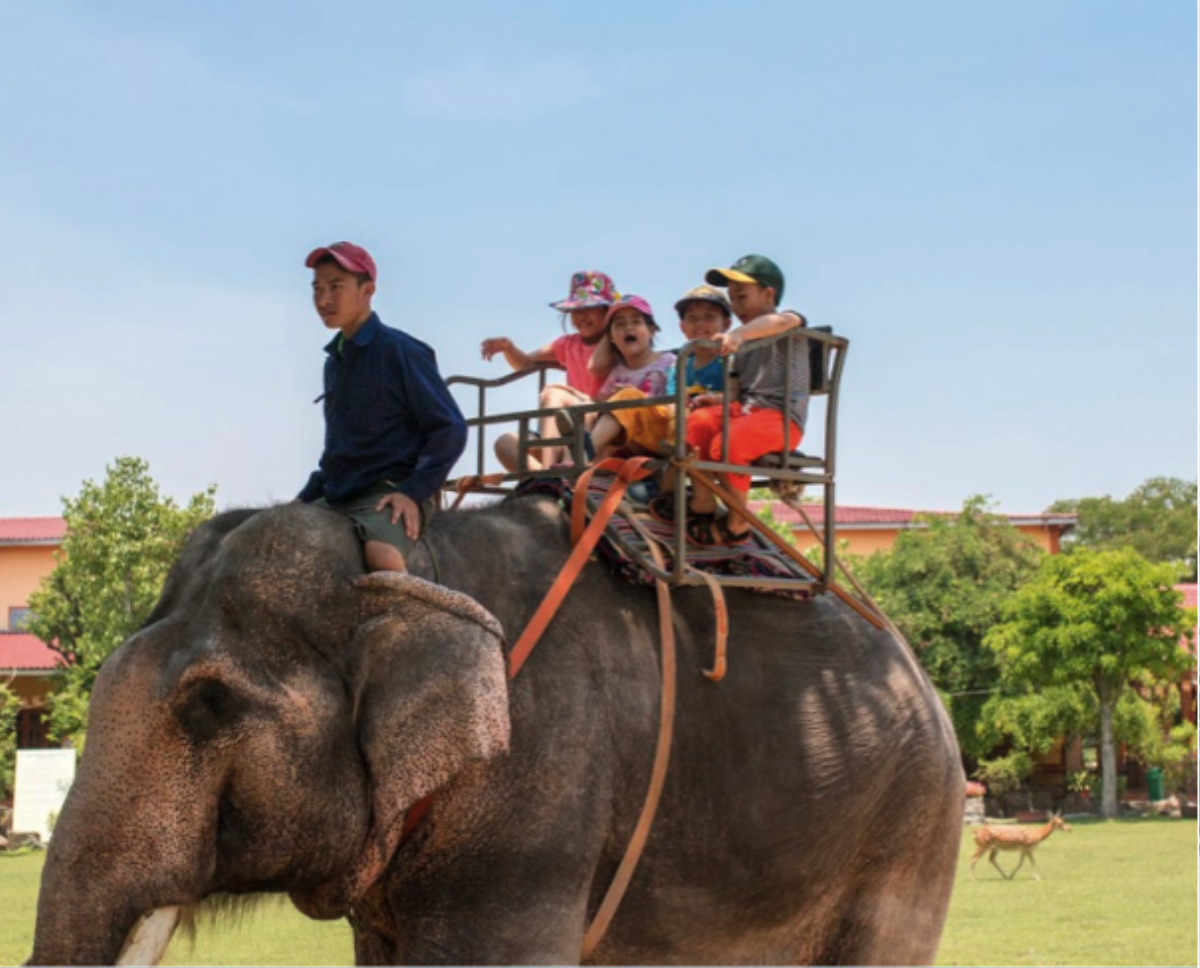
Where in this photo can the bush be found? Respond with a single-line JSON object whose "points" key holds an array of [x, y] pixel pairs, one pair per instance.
{"points": [[10, 705], [1006, 775]]}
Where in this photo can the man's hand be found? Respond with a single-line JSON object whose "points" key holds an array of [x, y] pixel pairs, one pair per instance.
{"points": [[404, 507], [497, 344]]}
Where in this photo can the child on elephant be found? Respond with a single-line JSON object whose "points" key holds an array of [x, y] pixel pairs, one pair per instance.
{"points": [[756, 417], [588, 299], [703, 312], [392, 430], [642, 371]]}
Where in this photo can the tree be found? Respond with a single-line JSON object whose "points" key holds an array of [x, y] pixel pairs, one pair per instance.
{"points": [[10, 705], [944, 586], [1158, 520], [1101, 622], [121, 538], [766, 514]]}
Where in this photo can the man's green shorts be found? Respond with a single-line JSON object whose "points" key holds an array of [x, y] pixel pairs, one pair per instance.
{"points": [[373, 525]]}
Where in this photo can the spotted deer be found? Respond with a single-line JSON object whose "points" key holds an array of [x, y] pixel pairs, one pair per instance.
{"points": [[992, 840]]}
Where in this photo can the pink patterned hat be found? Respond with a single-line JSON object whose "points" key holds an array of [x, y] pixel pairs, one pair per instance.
{"points": [[588, 289]]}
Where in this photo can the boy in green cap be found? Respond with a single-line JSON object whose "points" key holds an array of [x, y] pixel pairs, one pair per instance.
{"points": [[756, 418]]}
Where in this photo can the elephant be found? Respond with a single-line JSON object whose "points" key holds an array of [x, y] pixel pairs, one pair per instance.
{"points": [[273, 723]]}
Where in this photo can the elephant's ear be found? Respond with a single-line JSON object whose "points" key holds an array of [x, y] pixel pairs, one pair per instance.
{"points": [[431, 699]]}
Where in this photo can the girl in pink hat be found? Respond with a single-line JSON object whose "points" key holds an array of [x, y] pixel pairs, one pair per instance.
{"points": [[642, 371], [588, 300]]}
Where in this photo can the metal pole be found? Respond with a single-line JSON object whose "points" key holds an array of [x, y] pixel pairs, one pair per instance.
{"points": [[482, 413]]}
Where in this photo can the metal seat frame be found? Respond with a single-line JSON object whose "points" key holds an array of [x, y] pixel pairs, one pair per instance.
{"points": [[827, 354]]}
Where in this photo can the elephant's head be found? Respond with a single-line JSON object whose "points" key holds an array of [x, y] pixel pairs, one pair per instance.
{"points": [[267, 730]]}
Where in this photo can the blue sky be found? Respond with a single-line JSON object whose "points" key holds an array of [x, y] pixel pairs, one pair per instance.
{"points": [[996, 203]]}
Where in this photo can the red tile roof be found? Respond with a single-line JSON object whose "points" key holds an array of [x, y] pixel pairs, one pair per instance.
{"points": [[32, 530], [864, 517], [20, 650]]}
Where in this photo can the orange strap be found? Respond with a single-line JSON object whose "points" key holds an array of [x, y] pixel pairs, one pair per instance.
{"points": [[628, 471], [585, 540], [721, 614], [658, 775]]}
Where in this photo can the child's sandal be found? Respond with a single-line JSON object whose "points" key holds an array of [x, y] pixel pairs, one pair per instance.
{"points": [[727, 536], [663, 509], [699, 529]]}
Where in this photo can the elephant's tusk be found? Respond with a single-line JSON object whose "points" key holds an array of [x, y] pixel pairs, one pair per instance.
{"points": [[147, 942]]}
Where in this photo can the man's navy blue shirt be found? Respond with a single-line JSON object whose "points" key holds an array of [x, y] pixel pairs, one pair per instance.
{"points": [[388, 417]]}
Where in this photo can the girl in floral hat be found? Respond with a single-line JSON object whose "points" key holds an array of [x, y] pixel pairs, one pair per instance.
{"points": [[590, 295]]}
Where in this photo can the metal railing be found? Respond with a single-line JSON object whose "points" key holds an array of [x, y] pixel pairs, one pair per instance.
{"points": [[825, 357]]}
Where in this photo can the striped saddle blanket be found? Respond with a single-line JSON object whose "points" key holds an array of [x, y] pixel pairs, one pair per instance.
{"points": [[624, 544]]}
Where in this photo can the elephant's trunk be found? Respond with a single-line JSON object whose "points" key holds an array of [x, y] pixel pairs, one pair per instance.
{"points": [[128, 839], [80, 922], [96, 887]]}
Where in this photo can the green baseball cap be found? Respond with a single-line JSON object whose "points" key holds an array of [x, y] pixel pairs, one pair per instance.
{"points": [[749, 268]]}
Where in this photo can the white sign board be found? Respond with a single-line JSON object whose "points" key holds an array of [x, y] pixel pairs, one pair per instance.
{"points": [[42, 781]]}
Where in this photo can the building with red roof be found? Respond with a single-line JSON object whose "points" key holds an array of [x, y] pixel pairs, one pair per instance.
{"points": [[867, 530], [29, 667]]}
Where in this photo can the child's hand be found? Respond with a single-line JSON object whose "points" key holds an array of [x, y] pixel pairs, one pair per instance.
{"points": [[497, 344], [704, 400], [727, 342]]}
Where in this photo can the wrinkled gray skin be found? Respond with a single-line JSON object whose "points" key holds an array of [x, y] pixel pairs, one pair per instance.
{"points": [[270, 725]]}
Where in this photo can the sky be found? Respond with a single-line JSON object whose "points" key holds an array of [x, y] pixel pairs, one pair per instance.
{"points": [[995, 203]]}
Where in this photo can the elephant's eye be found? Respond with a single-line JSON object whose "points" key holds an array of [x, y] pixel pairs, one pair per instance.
{"points": [[209, 705]]}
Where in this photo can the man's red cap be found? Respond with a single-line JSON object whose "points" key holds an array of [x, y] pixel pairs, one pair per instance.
{"points": [[351, 257]]}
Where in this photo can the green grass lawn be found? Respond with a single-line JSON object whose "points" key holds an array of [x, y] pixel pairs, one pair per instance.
{"points": [[1111, 894]]}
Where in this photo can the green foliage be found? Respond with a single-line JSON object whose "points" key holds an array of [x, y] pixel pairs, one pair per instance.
{"points": [[10, 705], [1005, 775], [1096, 623], [767, 516], [1158, 521], [1035, 720], [944, 586], [122, 537], [1178, 756], [1080, 782], [1158, 741], [1094, 618]]}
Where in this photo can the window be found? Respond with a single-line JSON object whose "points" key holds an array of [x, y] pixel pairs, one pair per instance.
{"points": [[17, 617], [33, 730]]}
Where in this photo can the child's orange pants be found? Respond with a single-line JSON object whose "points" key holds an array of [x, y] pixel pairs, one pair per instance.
{"points": [[751, 435]]}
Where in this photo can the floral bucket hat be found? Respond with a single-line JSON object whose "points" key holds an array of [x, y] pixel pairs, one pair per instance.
{"points": [[588, 289]]}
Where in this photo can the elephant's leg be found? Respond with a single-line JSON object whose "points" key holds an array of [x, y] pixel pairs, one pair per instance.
{"points": [[508, 923], [885, 925], [372, 949]]}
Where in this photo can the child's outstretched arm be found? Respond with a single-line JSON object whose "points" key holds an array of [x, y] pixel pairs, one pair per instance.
{"points": [[770, 324], [517, 358]]}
